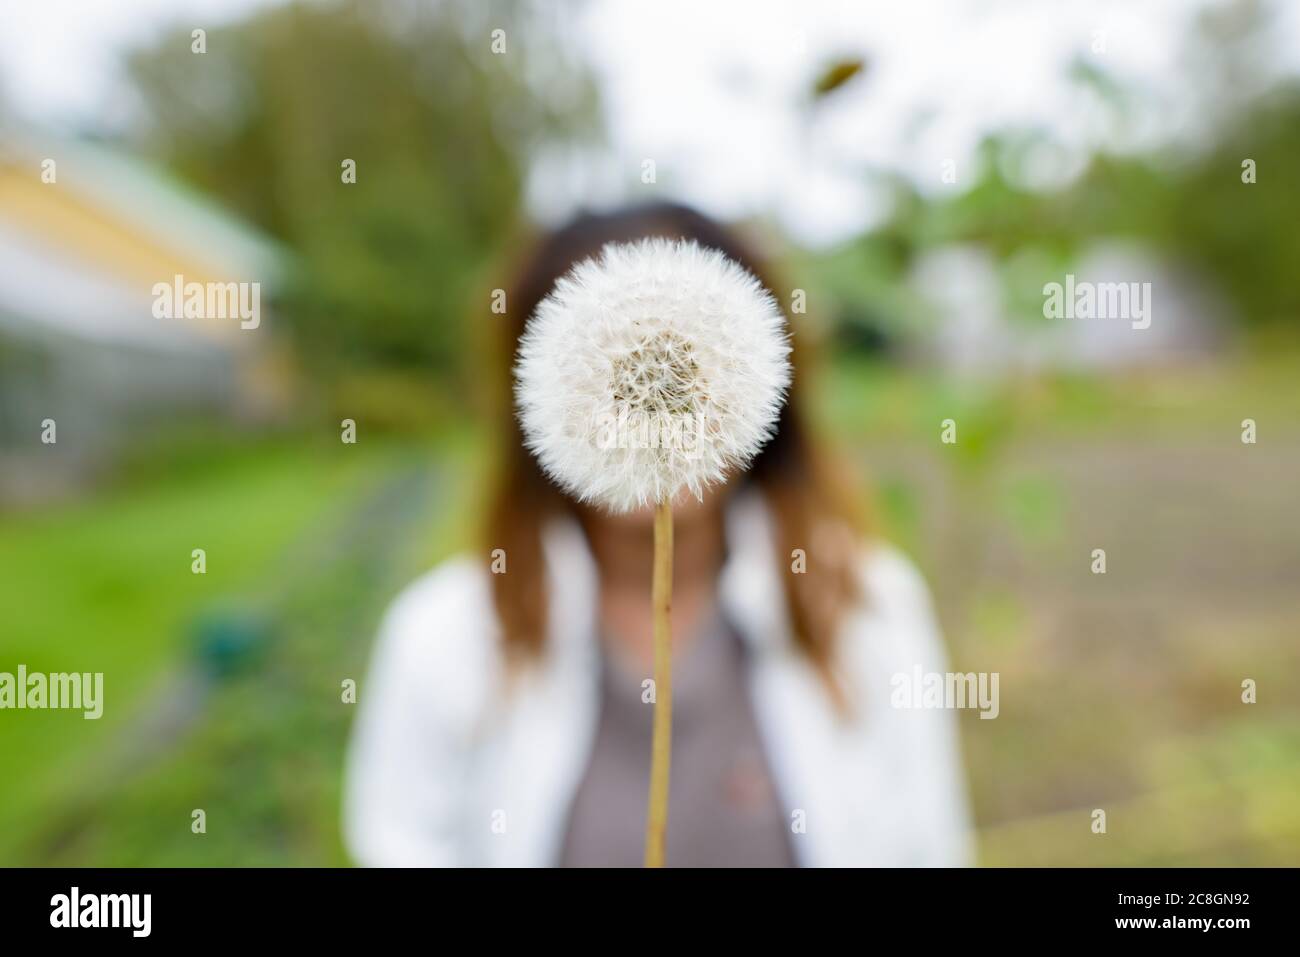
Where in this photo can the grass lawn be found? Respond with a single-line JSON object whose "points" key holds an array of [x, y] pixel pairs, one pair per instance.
{"points": [[105, 585]]}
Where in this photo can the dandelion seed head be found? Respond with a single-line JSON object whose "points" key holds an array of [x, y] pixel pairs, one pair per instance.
{"points": [[653, 367]]}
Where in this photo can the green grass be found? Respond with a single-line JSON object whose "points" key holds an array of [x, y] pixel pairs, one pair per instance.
{"points": [[105, 585], [266, 765]]}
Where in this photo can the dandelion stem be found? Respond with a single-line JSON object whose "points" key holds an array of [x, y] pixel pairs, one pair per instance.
{"points": [[656, 824]]}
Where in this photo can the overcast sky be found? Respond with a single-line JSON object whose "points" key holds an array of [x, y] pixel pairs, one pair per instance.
{"points": [[713, 92]]}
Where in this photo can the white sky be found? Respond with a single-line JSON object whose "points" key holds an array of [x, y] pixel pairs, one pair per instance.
{"points": [[714, 90]]}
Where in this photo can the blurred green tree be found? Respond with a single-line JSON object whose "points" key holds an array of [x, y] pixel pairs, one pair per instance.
{"points": [[439, 121], [1188, 199]]}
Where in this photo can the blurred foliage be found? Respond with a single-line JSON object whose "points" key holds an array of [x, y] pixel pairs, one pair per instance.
{"points": [[1185, 200], [1194, 209], [436, 123], [442, 128]]}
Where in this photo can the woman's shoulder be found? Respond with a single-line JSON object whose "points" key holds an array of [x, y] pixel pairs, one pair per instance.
{"points": [[452, 592], [896, 613], [440, 631], [893, 579]]}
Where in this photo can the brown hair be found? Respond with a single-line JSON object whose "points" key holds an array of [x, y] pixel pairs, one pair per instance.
{"points": [[808, 500]]}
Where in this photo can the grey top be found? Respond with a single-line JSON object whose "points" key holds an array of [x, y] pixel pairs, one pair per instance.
{"points": [[723, 809]]}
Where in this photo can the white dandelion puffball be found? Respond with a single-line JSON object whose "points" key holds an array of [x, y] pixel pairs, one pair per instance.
{"points": [[655, 367]]}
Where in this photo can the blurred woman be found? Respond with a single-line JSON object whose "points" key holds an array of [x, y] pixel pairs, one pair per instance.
{"points": [[506, 719]]}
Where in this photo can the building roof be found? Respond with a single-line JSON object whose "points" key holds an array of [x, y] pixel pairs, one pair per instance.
{"points": [[81, 256], [151, 200]]}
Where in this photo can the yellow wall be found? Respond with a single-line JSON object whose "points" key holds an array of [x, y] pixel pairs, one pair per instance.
{"points": [[58, 214]]}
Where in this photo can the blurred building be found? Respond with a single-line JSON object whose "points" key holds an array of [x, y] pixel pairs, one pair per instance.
{"points": [[86, 232], [977, 330]]}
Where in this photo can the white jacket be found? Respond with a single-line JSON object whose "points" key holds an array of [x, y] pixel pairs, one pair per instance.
{"points": [[449, 769]]}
